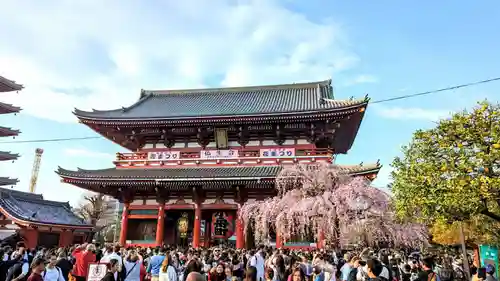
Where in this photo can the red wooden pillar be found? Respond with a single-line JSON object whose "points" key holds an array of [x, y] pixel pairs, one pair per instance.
{"points": [[31, 237], [197, 226], [160, 224], [320, 244], [65, 238], [279, 242], [123, 230], [240, 233]]}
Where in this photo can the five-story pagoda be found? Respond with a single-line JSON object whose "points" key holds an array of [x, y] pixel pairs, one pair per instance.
{"points": [[200, 154], [8, 86]]}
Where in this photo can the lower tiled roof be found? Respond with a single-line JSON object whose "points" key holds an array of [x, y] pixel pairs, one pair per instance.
{"points": [[236, 172], [32, 208]]}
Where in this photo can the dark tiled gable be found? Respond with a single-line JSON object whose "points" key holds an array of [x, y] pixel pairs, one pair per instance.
{"points": [[33, 208], [241, 101], [198, 173], [7, 85]]}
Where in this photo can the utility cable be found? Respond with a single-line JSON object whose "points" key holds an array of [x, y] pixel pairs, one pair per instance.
{"points": [[403, 97]]}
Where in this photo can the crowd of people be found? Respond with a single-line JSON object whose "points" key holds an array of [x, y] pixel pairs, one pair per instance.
{"points": [[227, 264]]}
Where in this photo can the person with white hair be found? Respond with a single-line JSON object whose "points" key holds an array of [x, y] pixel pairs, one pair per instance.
{"points": [[84, 255]]}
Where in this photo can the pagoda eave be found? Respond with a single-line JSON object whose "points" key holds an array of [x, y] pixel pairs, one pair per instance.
{"points": [[8, 181], [8, 132], [7, 85], [6, 156], [8, 108]]}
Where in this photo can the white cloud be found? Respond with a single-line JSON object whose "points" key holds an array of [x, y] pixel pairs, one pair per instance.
{"points": [[81, 152], [54, 46], [361, 79], [410, 113]]}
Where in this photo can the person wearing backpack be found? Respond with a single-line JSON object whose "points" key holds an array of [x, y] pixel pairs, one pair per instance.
{"points": [[19, 270], [52, 272]]}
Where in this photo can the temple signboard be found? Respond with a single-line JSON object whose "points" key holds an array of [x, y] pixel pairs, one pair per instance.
{"points": [[219, 154], [164, 155], [277, 152]]}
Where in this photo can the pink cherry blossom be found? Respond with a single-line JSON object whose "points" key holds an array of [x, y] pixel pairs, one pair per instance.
{"points": [[323, 197]]}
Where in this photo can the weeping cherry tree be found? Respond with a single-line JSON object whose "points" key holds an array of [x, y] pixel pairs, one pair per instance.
{"points": [[324, 198]]}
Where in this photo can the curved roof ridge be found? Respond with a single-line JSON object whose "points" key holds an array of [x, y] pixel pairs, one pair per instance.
{"points": [[239, 88], [44, 202]]}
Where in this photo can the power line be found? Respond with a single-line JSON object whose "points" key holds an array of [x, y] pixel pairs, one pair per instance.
{"points": [[50, 140], [371, 102], [438, 90]]}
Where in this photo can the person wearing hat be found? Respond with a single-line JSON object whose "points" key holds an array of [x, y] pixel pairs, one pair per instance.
{"points": [[490, 273]]}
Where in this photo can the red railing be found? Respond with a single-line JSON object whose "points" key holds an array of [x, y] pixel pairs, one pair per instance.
{"points": [[242, 154]]}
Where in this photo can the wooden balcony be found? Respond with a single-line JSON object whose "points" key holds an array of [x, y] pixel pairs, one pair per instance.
{"points": [[240, 156]]}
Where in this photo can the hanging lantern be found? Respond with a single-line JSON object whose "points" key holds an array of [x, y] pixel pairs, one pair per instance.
{"points": [[182, 225]]}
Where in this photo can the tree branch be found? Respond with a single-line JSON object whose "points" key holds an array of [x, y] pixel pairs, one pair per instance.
{"points": [[491, 215]]}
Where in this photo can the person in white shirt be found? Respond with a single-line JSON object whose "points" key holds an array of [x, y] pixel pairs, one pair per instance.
{"points": [[258, 262], [23, 252], [52, 272], [112, 253]]}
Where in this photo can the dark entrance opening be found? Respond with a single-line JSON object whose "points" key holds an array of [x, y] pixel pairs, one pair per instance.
{"points": [[179, 227], [48, 239]]}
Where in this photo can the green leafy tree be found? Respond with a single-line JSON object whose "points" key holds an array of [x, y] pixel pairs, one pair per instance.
{"points": [[451, 172]]}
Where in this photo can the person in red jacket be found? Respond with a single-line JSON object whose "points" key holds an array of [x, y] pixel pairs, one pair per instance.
{"points": [[84, 255]]}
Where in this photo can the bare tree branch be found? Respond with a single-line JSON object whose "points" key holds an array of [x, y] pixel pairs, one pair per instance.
{"points": [[93, 208]]}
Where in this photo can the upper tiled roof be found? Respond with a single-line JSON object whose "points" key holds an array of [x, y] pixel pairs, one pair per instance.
{"points": [[6, 108], [4, 155], [7, 85], [8, 132], [28, 207], [8, 181], [224, 102], [195, 173]]}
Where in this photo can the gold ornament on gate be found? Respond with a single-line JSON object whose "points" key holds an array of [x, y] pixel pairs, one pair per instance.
{"points": [[182, 225]]}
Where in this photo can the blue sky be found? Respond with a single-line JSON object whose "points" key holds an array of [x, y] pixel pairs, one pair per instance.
{"points": [[99, 54]]}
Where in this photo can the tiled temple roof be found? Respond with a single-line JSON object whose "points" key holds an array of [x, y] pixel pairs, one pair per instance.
{"points": [[7, 85], [8, 132], [4, 156], [8, 181], [196, 173], [6, 108], [228, 102], [32, 208]]}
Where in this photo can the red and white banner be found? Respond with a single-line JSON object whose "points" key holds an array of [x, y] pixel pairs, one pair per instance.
{"points": [[219, 154], [164, 155], [277, 152]]}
